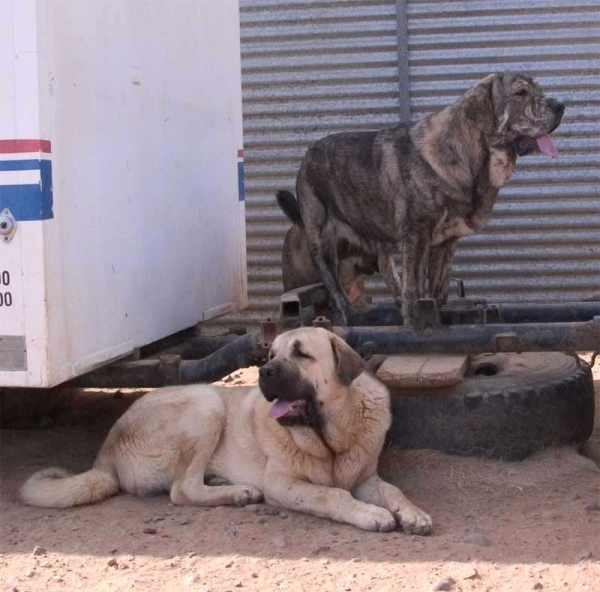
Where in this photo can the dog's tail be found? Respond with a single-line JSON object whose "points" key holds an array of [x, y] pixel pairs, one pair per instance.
{"points": [[57, 488], [289, 204]]}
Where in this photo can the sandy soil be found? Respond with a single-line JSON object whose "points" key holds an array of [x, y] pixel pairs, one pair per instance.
{"points": [[497, 526]]}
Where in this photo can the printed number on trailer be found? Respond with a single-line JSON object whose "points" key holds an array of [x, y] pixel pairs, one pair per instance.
{"points": [[5, 296]]}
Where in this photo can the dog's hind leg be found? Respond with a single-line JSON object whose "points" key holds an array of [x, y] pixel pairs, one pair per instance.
{"points": [[440, 269], [324, 256], [323, 250], [195, 453], [387, 268]]}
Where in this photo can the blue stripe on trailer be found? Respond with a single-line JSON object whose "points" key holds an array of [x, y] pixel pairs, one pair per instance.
{"points": [[21, 165], [32, 201], [240, 181]]}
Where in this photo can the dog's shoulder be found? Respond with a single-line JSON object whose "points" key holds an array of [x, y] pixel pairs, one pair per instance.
{"points": [[375, 399]]}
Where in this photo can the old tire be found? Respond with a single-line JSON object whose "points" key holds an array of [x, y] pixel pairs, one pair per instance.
{"points": [[532, 401]]}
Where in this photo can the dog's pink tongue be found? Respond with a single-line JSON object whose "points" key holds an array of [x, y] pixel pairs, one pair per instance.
{"points": [[280, 409], [546, 146]]}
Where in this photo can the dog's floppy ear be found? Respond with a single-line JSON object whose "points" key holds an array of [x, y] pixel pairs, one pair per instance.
{"points": [[348, 363], [479, 104]]}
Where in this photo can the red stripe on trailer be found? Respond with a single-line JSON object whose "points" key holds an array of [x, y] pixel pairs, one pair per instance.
{"points": [[240, 154], [18, 146]]}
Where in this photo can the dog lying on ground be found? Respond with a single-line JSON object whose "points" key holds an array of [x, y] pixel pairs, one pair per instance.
{"points": [[297, 265], [307, 439], [415, 190]]}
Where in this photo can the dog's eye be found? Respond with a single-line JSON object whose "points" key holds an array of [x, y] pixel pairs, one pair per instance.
{"points": [[271, 355], [302, 354]]}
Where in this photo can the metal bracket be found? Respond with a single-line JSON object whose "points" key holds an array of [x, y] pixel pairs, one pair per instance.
{"points": [[323, 322], [8, 225], [268, 332], [506, 342], [427, 314], [168, 368]]}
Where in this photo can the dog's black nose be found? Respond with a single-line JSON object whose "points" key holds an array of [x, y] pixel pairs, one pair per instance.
{"points": [[558, 107], [266, 371]]}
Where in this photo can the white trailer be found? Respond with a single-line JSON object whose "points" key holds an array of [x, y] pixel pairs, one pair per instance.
{"points": [[121, 179]]}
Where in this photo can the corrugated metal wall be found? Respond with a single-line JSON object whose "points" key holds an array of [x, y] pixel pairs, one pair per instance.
{"points": [[312, 67]]}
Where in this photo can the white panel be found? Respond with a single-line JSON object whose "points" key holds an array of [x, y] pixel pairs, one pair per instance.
{"points": [[142, 104]]}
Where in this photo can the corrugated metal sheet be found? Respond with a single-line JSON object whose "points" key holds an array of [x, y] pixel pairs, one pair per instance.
{"points": [[309, 68], [312, 67]]}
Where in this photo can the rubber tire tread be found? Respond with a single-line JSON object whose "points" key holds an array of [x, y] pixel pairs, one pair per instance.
{"points": [[510, 421]]}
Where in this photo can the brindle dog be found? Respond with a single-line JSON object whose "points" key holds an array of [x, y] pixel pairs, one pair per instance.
{"points": [[415, 190]]}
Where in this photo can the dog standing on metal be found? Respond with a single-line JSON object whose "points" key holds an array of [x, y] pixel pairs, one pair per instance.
{"points": [[414, 190], [308, 438]]}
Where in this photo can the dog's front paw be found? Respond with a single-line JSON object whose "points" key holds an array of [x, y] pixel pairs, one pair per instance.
{"points": [[375, 519], [248, 494], [413, 521]]}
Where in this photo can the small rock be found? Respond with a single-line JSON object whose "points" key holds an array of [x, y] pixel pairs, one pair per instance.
{"points": [[30, 573], [593, 507], [112, 562], [280, 541], [193, 579], [254, 575], [477, 538], [445, 584], [183, 521], [474, 576], [192, 554], [228, 378], [57, 579], [14, 589], [283, 515], [230, 564], [356, 560], [113, 551], [149, 530], [572, 496], [123, 566], [538, 586], [583, 555], [232, 531], [333, 532], [261, 520], [239, 585], [46, 564], [37, 550]]}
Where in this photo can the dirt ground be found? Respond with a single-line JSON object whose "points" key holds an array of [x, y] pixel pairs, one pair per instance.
{"points": [[497, 526]]}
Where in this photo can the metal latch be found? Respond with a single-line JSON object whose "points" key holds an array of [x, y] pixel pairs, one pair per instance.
{"points": [[8, 225]]}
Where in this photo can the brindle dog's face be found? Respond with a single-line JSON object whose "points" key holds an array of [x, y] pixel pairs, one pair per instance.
{"points": [[514, 111], [307, 369]]}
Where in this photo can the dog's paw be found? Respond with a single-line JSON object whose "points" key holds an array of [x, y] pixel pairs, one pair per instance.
{"points": [[375, 519], [247, 494], [413, 521]]}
